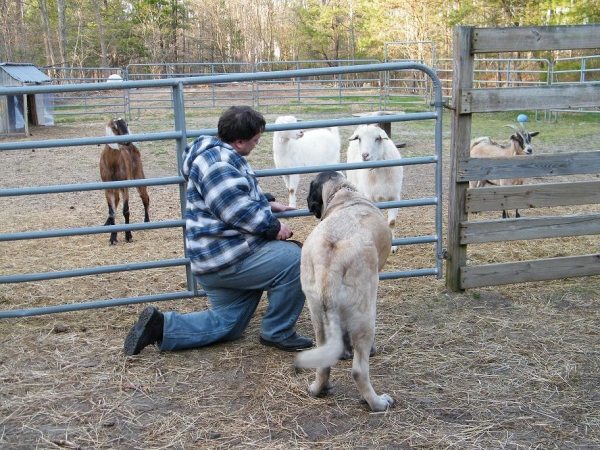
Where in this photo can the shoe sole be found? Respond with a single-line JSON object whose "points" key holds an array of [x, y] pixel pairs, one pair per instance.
{"points": [[132, 339], [285, 349]]}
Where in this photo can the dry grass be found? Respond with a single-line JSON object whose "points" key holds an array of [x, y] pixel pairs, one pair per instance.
{"points": [[507, 367]]}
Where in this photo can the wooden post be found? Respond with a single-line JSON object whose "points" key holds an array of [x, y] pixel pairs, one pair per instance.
{"points": [[385, 126], [462, 79]]}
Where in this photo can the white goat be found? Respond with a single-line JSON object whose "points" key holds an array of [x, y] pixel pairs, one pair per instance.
{"points": [[371, 143], [301, 148], [484, 147]]}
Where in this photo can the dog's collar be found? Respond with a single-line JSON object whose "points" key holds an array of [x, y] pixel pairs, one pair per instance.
{"points": [[333, 194]]}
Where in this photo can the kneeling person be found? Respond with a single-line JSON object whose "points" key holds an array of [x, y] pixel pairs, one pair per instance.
{"points": [[237, 248]]}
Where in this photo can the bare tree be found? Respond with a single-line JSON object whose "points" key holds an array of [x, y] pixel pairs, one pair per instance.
{"points": [[47, 32], [62, 28], [101, 36]]}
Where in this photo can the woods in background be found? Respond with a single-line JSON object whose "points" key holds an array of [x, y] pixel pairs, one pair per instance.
{"points": [[115, 33]]}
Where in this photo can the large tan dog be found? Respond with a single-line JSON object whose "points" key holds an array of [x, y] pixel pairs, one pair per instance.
{"points": [[341, 260]]}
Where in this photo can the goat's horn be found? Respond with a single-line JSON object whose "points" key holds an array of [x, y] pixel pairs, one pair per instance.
{"points": [[513, 127]]}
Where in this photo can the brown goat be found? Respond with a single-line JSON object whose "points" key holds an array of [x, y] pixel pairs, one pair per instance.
{"points": [[121, 162], [484, 147]]}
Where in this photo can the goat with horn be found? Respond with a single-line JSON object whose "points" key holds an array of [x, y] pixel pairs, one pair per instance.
{"points": [[520, 144]]}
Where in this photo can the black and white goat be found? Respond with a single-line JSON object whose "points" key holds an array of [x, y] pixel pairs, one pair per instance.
{"points": [[121, 162], [520, 144]]}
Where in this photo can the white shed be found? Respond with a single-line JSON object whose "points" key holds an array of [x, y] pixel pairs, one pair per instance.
{"points": [[17, 112]]}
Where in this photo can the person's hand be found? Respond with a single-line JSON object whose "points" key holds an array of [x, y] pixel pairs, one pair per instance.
{"points": [[284, 233], [279, 207]]}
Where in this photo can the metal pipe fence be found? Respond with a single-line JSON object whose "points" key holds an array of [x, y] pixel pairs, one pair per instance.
{"points": [[577, 69], [113, 102], [374, 90], [318, 91], [179, 136]]}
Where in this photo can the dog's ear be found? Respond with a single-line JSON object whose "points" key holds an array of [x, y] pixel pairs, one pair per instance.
{"points": [[315, 198]]}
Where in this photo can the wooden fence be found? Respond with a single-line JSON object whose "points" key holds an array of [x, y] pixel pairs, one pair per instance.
{"points": [[466, 100]]}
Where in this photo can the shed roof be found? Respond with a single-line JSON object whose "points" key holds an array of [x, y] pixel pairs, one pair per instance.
{"points": [[25, 73]]}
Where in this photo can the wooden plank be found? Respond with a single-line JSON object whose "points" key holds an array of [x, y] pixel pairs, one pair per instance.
{"points": [[527, 271], [502, 230], [497, 198], [471, 169], [564, 96], [462, 79], [520, 39]]}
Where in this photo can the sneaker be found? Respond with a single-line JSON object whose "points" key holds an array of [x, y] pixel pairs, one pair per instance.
{"points": [[148, 330], [293, 343]]}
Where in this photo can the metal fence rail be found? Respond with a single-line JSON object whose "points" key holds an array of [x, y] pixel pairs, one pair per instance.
{"points": [[407, 88], [331, 90], [203, 96], [180, 136], [375, 90], [498, 73], [88, 102], [577, 69]]}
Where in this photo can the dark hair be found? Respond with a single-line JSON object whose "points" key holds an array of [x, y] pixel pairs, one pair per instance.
{"points": [[240, 122]]}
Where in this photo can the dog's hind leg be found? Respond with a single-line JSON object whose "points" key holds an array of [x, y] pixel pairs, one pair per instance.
{"points": [[321, 386], [348, 349], [360, 374], [347, 354]]}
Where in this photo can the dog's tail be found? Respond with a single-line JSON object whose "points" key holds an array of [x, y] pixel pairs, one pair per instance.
{"points": [[329, 353]]}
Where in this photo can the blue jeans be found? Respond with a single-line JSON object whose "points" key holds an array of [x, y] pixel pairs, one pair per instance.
{"points": [[234, 294]]}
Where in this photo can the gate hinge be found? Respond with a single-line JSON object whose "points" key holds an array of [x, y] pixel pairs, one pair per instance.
{"points": [[444, 104]]}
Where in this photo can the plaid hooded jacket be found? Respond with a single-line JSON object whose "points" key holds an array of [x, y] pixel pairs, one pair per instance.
{"points": [[227, 214]]}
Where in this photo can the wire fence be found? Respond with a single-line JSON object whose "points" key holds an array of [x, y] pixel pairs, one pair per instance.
{"points": [[371, 90]]}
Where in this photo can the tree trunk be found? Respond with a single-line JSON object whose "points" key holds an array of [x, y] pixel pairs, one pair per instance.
{"points": [[62, 27], [47, 33], [101, 36]]}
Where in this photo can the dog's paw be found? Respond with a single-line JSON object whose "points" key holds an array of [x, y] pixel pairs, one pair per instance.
{"points": [[318, 391]]}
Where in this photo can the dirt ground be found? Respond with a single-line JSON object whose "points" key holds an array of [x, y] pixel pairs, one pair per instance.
{"points": [[510, 367]]}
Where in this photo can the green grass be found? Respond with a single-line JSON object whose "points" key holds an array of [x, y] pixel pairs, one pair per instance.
{"points": [[575, 131], [303, 109], [76, 119], [572, 131]]}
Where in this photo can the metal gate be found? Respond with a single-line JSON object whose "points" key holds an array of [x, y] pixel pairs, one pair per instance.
{"points": [[180, 136]]}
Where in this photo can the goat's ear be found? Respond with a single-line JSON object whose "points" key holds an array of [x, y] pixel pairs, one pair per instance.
{"points": [[315, 199], [534, 134], [353, 137], [111, 132]]}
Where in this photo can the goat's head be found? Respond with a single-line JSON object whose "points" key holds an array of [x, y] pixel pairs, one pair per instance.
{"points": [[289, 134], [371, 140], [117, 127], [522, 139]]}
